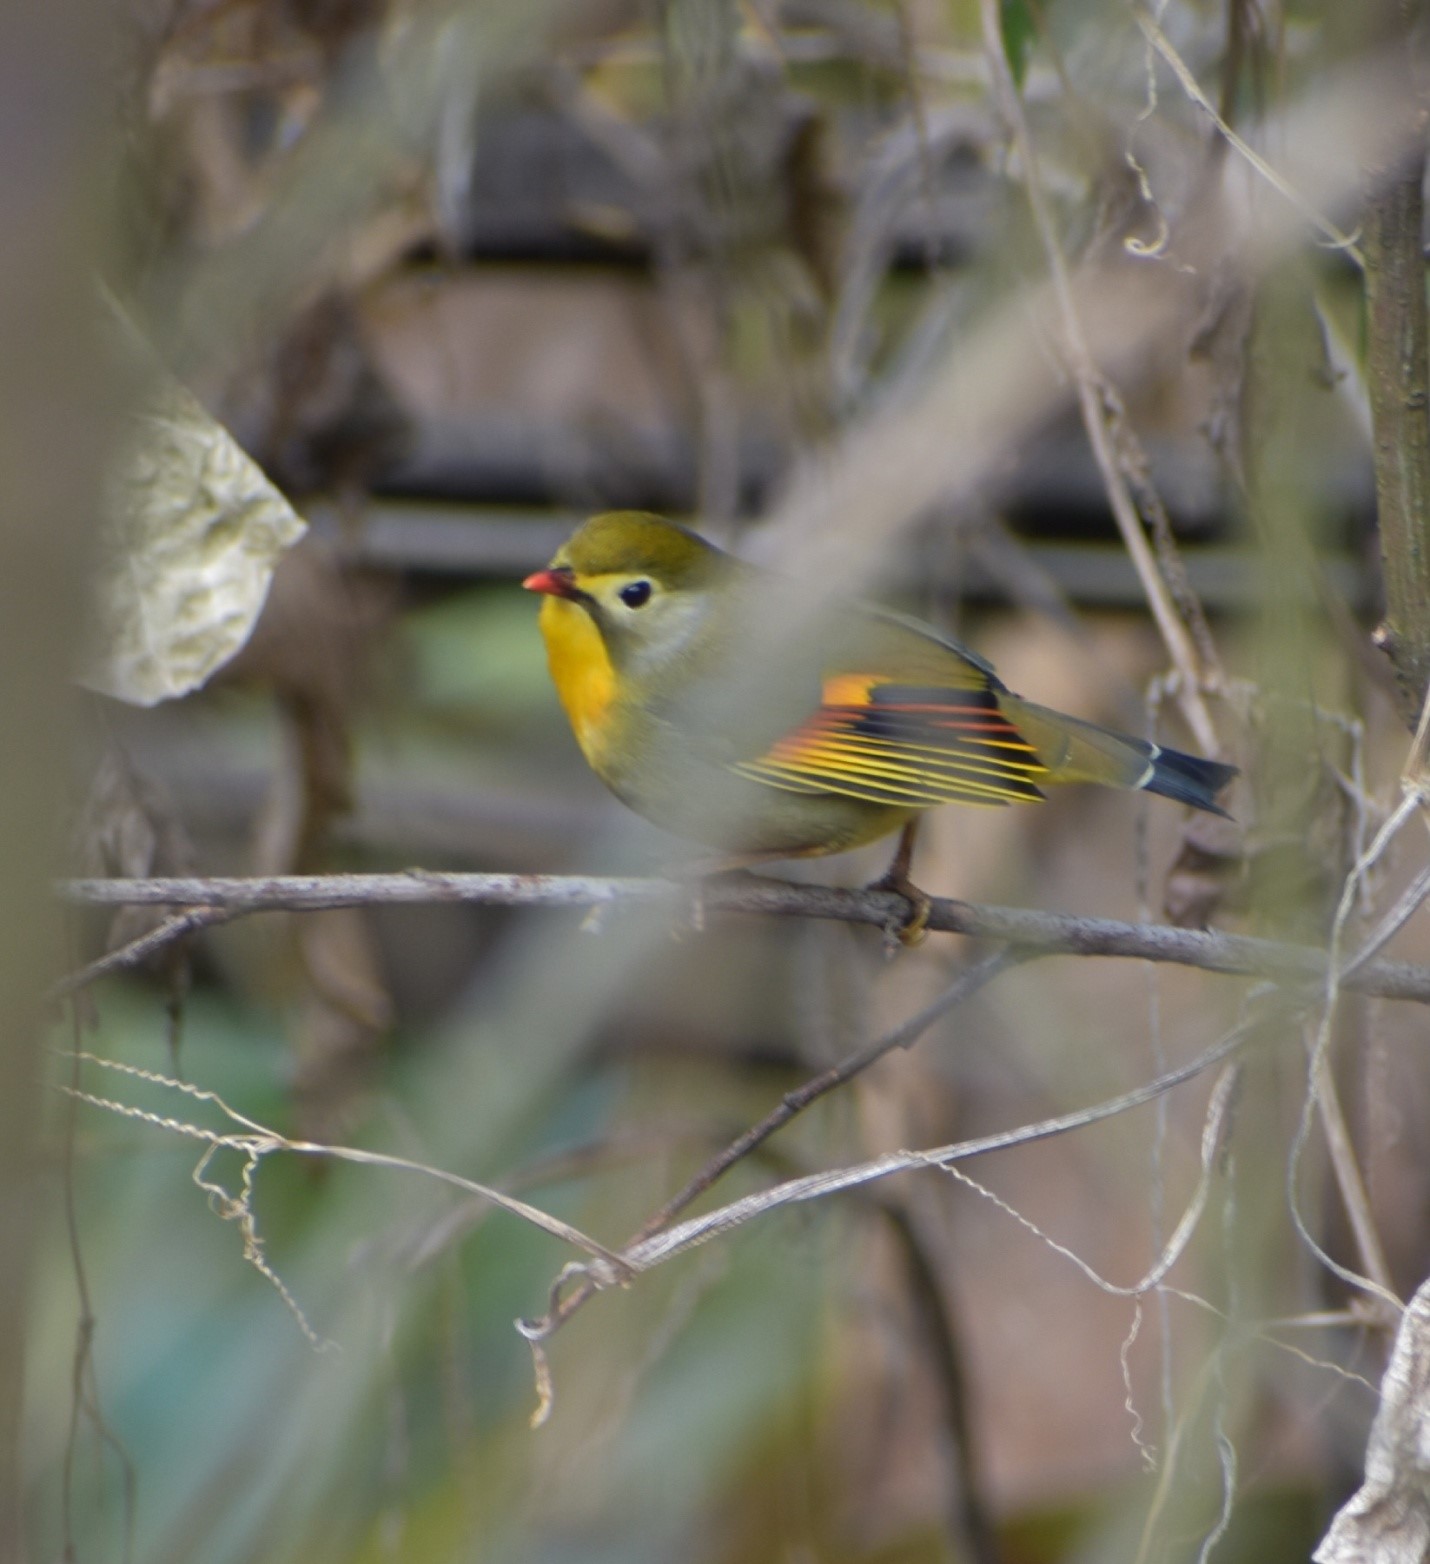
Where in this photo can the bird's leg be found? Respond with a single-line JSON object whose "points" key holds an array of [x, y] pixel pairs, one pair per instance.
{"points": [[896, 878]]}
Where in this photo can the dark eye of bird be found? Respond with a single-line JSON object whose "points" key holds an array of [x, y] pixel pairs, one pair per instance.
{"points": [[636, 594]]}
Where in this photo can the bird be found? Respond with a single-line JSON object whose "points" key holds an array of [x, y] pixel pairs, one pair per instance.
{"points": [[711, 699]]}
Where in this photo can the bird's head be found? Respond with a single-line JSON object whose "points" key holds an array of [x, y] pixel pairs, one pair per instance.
{"points": [[646, 584]]}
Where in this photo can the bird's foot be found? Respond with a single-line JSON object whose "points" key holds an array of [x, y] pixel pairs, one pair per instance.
{"points": [[914, 929]]}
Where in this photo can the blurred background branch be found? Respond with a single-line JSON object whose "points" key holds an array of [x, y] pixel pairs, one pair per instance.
{"points": [[54, 429], [1398, 376]]}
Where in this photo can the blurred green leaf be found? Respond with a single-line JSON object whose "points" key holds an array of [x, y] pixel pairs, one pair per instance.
{"points": [[1018, 35], [480, 650]]}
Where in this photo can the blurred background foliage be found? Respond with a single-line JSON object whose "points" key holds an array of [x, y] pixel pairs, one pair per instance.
{"points": [[456, 275]]}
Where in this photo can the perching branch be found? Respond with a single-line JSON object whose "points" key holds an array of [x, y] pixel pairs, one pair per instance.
{"points": [[1050, 933]]}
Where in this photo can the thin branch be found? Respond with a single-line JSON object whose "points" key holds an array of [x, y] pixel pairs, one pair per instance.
{"points": [[1333, 235], [606, 1268], [564, 1302], [1091, 400], [1407, 905], [1050, 933], [1322, 1097], [902, 1036], [138, 951], [1214, 1133], [666, 1245], [1136, 467]]}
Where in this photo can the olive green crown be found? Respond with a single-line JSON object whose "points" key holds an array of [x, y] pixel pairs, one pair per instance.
{"points": [[622, 542]]}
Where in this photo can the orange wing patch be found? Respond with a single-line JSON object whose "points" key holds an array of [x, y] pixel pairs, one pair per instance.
{"points": [[907, 745], [847, 689]]}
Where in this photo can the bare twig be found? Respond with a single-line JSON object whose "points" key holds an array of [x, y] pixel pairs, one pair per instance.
{"points": [[1092, 402], [902, 1036], [1321, 1093], [1214, 1132], [138, 951], [1136, 467], [1407, 904], [1048, 932], [1350, 1181], [564, 1303], [1283, 186], [605, 1268], [665, 1245]]}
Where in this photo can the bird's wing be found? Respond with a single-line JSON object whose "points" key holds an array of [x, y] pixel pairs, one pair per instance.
{"points": [[888, 740]]}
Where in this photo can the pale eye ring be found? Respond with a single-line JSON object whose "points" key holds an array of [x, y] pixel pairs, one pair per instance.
{"points": [[635, 594]]}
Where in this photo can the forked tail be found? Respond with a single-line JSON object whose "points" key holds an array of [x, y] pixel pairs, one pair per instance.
{"points": [[1187, 778], [1077, 751]]}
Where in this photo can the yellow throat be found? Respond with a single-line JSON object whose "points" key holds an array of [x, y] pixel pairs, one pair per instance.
{"points": [[580, 669]]}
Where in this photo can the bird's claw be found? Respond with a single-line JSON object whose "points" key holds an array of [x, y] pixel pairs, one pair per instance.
{"points": [[914, 929]]}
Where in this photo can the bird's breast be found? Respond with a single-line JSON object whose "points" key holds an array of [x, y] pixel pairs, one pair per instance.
{"points": [[581, 671]]}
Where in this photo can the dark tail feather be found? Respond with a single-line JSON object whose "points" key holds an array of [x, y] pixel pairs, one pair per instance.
{"points": [[1188, 778]]}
